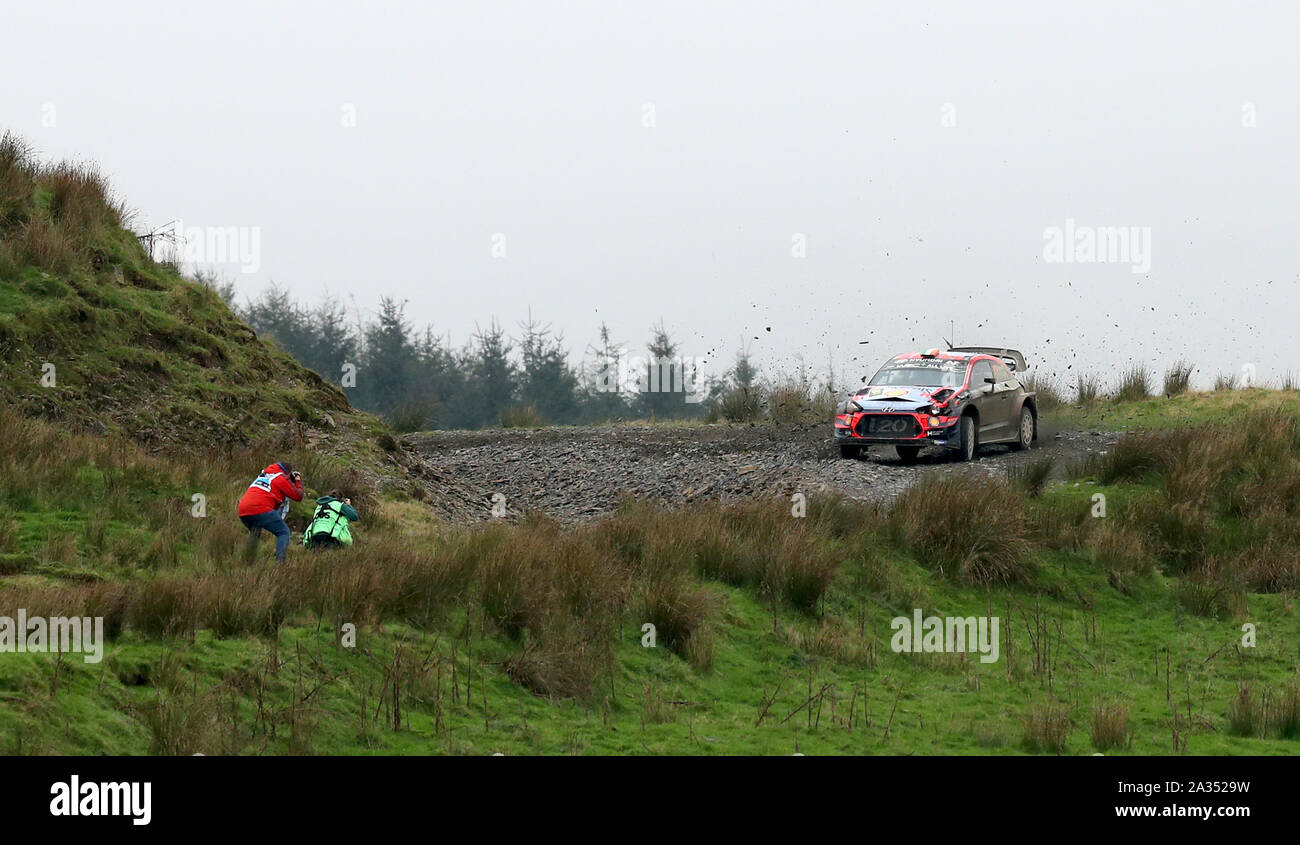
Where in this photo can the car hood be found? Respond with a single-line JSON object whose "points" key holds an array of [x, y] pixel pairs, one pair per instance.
{"points": [[894, 398]]}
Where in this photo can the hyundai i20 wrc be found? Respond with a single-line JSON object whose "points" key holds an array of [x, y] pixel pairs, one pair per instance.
{"points": [[957, 399]]}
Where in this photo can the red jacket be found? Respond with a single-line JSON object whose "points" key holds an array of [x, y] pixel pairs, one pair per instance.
{"points": [[268, 491]]}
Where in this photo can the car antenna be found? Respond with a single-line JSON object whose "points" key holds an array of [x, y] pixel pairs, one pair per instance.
{"points": [[951, 332]]}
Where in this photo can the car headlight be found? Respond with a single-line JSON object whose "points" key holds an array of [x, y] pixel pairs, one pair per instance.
{"points": [[842, 408]]}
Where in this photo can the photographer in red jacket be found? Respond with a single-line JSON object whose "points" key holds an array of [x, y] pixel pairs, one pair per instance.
{"points": [[264, 504]]}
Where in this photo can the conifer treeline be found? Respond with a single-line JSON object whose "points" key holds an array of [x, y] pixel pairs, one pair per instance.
{"points": [[418, 380]]}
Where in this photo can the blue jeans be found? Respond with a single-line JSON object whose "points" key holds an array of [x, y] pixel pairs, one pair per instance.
{"points": [[270, 521]]}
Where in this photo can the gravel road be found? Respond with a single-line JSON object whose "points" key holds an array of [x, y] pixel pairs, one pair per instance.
{"points": [[576, 473]]}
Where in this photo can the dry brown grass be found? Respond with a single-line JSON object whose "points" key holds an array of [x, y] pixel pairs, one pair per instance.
{"points": [[17, 168], [756, 544], [1246, 712], [1110, 725], [1087, 389], [969, 529], [1134, 384], [1121, 552], [679, 609], [569, 663], [81, 197], [792, 401], [1046, 727], [1049, 395], [1215, 591], [1178, 378], [50, 246]]}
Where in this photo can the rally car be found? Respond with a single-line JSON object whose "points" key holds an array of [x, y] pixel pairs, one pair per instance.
{"points": [[959, 399]]}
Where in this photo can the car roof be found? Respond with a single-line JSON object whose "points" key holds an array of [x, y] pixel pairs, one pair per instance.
{"points": [[941, 356]]}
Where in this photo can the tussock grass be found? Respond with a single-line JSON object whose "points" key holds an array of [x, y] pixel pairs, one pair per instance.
{"points": [[1258, 711], [968, 529], [1246, 713], [1046, 727], [798, 401], [757, 544], [1121, 552], [51, 246], [1264, 567], [831, 638], [1285, 718], [1134, 384], [521, 416], [1134, 457], [414, 414], [1225, 382], [1049, 392], [17, 182], [1110, 725], [741, 404], [1031, 476], [679, 611], [1179, 532], [1178, 378], [80, 196], [1214, 593], [1087, 389], [1060, 523]]}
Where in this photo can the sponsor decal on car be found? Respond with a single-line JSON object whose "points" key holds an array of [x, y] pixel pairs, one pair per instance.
{"points": [[885, 392]]}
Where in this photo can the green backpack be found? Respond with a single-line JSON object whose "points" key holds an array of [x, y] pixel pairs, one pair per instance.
{"points": [[328, 523]]}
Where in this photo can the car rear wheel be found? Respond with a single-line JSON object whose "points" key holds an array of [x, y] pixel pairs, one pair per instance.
{"points": [[969, 438], [850, 451], [907, 454], [1026, 437]]}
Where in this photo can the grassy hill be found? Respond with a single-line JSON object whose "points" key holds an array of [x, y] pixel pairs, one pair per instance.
{"points": [[1121, 630], [95, 334]]}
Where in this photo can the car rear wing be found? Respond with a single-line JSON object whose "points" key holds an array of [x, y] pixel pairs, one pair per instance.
{"points": [[1013, 359]]}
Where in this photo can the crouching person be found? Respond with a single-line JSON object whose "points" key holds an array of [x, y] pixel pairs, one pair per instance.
{"points": [[331, 524], [264, 504]]}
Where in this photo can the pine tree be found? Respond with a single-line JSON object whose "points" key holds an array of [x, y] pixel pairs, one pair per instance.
{"points": [[492, 375], [388, 359], [546, 381], [660, 389]]}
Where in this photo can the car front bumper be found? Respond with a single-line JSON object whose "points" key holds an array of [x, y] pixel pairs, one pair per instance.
{"points": [[851, 430]]}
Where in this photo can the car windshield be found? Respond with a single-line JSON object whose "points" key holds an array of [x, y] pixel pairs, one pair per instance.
{"points": [[915, 374]]}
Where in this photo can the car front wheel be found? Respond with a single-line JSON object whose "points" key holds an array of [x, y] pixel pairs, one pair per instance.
{"points": [[969, 438]]}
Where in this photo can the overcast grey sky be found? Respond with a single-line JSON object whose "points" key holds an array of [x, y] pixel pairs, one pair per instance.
{"points": [[670, 161]]}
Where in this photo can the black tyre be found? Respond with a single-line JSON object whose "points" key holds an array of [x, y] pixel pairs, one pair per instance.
{"points": [[907, 454], [850, 451], [970, 439], [1025, 436]]}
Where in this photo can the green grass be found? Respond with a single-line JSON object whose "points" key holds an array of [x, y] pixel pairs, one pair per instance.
{"points": [[1182, 410], [656, 702]]}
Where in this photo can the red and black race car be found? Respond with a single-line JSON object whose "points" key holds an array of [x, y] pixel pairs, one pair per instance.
{"points": [[959, 399]]}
